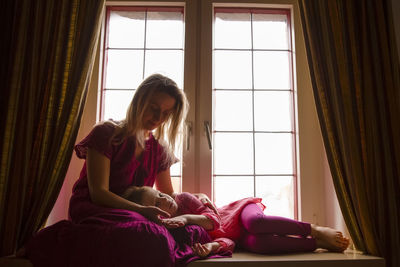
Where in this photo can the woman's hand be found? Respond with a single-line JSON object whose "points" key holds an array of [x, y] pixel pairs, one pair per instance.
{"points": [[153, 213], [206, 201], [203, 250], [178, 221]]}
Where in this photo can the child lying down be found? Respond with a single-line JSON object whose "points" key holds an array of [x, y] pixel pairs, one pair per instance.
{"points": [[241, 222]]}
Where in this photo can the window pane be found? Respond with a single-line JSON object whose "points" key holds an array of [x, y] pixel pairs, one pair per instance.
{"points": [[124, 69], [126, 29], [233, 111], [231, 188], [274, 153], [271, 70], [232, 30], [164, 30], [116, 103], [176, 168], [267, 25], [233, 153], [232, 70], [277, 194], [176, 184], [166, 62], [272, 111]]}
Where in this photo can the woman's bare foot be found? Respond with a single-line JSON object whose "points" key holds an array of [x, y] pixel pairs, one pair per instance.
{"points": [[329, 238]]}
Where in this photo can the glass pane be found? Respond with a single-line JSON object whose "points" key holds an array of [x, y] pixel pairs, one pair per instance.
{"points": [[164, 30], [271, 70], [124, 69], [166, 62], [267, 25], [176, 168], [231, 188], [176, 184], [272, 111], [274, 153], [233, 111], [233, 153], [277, 194], [116, 103], [126, 29], [232, 30], [232, 70]]}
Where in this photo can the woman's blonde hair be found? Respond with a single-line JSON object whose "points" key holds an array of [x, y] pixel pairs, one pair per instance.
{"points": [[171, 131]]}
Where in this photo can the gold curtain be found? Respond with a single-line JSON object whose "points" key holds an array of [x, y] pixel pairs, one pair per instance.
{"points": [[354, 69], [47, 52]]}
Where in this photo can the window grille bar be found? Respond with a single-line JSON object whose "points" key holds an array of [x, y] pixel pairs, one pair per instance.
{"points": [[240, 175], [144, 48], [248, 90], [252, 104], [252, 49]]}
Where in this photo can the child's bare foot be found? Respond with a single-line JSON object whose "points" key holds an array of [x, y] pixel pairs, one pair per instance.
{"points": [[329, 238]]}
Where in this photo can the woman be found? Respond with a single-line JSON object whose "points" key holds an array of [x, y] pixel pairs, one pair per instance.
{"points": [[120, 154]]}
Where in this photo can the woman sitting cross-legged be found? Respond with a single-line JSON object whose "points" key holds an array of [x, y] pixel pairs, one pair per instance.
{"points": [[242, 222]]}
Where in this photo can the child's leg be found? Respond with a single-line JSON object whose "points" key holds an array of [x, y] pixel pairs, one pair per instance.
{"points": [[255, 221], [273, 244]]}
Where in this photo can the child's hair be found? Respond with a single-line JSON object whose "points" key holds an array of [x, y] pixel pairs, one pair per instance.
{"points": [[135, 194], [170, 133]]}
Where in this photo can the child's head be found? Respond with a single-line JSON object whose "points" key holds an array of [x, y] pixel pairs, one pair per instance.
{"points": [[148, 196], [158, 104]]}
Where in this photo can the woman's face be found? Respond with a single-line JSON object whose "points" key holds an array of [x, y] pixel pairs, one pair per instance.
{"points": [[152, 197], [160, 107]]}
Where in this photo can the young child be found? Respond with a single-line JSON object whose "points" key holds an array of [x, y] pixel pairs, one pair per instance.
{"points": [[242, 221]]}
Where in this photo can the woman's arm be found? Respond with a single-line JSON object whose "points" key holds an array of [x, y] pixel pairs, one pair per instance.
{"points": [[164, 184], [98, 174]]}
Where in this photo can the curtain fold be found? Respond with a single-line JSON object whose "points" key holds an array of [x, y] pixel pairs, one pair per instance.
{"points": [[354, 69], [48, 56]]}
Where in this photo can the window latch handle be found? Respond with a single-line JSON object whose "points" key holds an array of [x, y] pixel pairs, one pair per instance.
{"points": [[208, 133], [189, 132]]}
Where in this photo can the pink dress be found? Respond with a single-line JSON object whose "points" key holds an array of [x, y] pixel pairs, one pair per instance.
{"points": [[227, 225]]}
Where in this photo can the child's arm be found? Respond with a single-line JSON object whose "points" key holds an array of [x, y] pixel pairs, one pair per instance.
{"points": [[203, 250], [216, 246], [182, 220]]}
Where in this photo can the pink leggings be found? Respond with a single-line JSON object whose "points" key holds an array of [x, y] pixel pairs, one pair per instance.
{"points": [[272, 234]]}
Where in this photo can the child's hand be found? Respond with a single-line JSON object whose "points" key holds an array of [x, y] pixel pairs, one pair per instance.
{"points": [[175, 222], [206, 201], [202, 250]]}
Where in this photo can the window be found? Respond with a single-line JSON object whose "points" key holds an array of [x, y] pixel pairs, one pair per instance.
{"points": [[253, 136], [140, 41], [252, 126]]}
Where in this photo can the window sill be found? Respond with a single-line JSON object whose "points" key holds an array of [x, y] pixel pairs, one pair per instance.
{"points": [[319, 258], [246, 259]]}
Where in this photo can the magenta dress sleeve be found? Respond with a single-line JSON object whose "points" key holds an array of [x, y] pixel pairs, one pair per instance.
{"points": [[98, 139], [226, 245]]}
